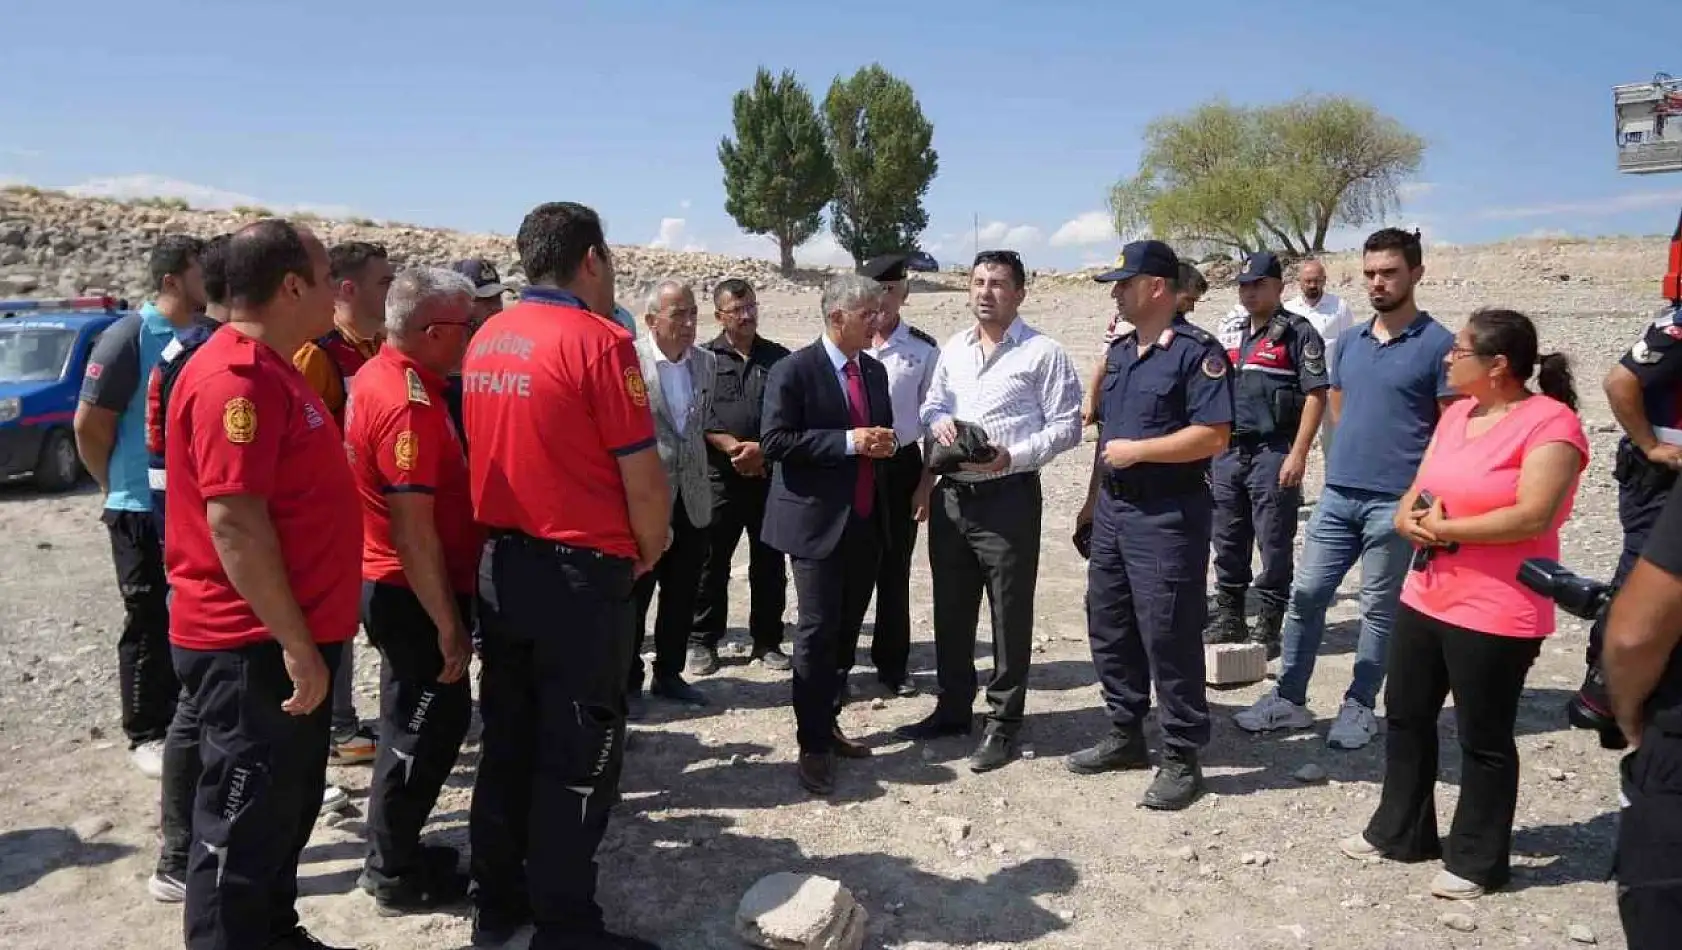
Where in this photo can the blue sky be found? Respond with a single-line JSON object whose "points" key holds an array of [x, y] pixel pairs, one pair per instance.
{"points": [[465, 115]]}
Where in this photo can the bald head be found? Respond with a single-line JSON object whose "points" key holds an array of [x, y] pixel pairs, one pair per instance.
{"points": [[1311, 278]]}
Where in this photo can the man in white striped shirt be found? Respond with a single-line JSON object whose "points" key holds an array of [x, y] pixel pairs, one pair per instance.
{"points": [[1020, 387]]}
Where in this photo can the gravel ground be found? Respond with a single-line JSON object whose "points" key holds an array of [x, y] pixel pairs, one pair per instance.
{"points": [[1049, 859]]}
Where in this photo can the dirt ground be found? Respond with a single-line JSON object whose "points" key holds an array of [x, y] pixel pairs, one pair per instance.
{"points": [[1052, 860]]}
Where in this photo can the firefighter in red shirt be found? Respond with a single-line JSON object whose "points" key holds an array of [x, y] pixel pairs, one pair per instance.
{"points": [[262, 544], [566, 476], [420, 558]]}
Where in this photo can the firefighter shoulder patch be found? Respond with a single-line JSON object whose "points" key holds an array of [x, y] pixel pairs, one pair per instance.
{"points": [[239, 420], [417, 389], [635, 387], [403, 452]]}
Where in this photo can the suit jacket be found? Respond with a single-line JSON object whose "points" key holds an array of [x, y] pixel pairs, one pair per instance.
{"points": [[683, 455], [805, 434]]}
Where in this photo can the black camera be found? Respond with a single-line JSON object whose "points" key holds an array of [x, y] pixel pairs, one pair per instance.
{"points": [[1579, 596]]}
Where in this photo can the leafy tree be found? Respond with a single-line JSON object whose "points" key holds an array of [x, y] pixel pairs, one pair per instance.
{"points": [[1282, 175], [777, 174], [885, 162]]}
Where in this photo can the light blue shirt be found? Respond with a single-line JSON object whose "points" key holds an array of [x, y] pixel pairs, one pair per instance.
{"points": [[839, 360], [119, 368]]}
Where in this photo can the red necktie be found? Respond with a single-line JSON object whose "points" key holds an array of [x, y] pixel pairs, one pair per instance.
{"points": [[864, 490]]}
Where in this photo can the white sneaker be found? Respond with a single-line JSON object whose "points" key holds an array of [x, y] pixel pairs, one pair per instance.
{"points": [[148, 757], [1355, 726], [1273, 712], [333, 798], [1454, 887], [165, 889]]}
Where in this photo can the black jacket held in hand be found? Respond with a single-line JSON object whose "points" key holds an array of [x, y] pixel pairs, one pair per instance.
{"points": [[805, 432], [971, 445]]}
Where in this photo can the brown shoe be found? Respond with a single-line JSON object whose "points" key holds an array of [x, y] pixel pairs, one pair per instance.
{"points": [[817, 772], [849, 748]]}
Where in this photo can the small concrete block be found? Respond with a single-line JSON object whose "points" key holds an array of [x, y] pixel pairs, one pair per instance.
{"points": [[1234, 664]]}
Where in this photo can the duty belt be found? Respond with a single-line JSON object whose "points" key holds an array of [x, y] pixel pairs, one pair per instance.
{"points": [[1154, 488], [546, 546]]}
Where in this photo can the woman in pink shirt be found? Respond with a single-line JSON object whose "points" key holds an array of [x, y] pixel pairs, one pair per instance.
{"points": [[1494, 487]]}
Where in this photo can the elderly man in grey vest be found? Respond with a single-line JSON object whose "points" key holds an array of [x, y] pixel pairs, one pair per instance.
{"points": [[679, 377]]}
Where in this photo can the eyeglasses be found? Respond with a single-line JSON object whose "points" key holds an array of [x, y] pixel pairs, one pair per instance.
{"points": [[997, 257], [1459, 353]]}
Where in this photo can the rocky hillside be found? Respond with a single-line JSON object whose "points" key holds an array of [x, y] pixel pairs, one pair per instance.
{"points": [[53, 244]]}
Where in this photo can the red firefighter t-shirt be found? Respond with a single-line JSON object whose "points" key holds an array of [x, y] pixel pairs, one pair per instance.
{"points": [[242, 421]]}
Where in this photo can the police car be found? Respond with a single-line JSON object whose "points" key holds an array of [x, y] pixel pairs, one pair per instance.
{"points": [[44, 349]]}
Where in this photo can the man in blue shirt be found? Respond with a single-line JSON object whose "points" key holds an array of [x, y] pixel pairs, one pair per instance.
{"points": [[1389, 384], [111, 437]]}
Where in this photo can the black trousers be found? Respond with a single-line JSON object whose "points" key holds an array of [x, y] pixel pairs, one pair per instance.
{"points": [[1649, 862], [1429, 660], [555, 648], [178, 787], [738, 506], [422, 725], [147, 680], [1639, 506], [678, 575], [259, 793], [1252, 511], [890, 638], [985, 536], [832, 595]]}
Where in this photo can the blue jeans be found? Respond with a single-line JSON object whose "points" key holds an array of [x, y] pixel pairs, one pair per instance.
{"points": [[1348, 525]]}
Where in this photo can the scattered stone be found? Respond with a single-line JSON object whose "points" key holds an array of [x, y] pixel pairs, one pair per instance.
{"points": [[878, 703], [1027, 752], [1554, 774], [91, 827], [787, 911], [1310, 773], [1187, 853], [1459, 922], [1580, 934], [954, 830], [1258, 859], [95, 733]]}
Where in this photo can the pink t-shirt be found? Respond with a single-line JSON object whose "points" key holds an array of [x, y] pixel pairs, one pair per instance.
{"points": [[1477, 587]]}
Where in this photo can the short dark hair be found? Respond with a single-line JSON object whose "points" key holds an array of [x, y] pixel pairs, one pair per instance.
{"points": [[555, 238], [1191, 280], [172, 257], [1395, 239], [734, 286], [345, 261], [258, 258], [212, 261], [1498, 332], [1009, 259]]}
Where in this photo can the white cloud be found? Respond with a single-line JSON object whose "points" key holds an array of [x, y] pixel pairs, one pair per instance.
{"points": [[1547, 234], [1091, 227], [674, 236], [1000, 234], [1598, 206], [823, 251], [128, 187], [684, 204]]}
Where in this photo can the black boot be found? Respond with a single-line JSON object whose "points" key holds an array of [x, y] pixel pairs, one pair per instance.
{"points": [[1591, 708], [1266, 632], [1227, 623], [1119, 750], [1178, 782]]}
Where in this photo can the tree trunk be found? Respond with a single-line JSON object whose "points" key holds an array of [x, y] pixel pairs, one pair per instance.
{"points": [[786, 245]]}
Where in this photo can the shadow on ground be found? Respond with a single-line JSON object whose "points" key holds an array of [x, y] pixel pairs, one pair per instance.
{"points": [[29, 854]]}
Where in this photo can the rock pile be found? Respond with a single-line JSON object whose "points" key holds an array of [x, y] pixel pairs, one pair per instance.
{"points": [[53, 244], [787, 911]]}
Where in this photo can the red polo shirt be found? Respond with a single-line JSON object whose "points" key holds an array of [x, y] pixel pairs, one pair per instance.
{"points": [[242, 421], [400, 438], [553, 396]]}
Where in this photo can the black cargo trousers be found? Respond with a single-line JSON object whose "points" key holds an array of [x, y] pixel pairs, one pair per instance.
{"points": [[1649, 862], [146, 678], [556, 624]]}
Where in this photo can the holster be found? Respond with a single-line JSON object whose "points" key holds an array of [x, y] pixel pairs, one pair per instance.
{"points": [[1632, 468]]}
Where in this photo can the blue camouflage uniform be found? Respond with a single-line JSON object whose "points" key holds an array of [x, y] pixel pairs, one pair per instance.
{"points": [[1276, 368]]}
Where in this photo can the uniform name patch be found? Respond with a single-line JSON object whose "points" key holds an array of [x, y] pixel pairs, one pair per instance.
{"points": [[1214, 367], [635, 387], [239, 420], [404, 451], [417, 389]]}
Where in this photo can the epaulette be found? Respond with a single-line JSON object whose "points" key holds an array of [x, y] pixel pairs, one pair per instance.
{"points": [[919, 334], [1195, 332]]}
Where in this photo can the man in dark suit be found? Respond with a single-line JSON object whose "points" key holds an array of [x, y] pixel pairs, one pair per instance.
{"points": [[828, 422]]}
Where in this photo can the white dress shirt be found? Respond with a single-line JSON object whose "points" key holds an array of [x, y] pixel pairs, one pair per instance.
{"points": [[676, 385], [839, 361], [1331, 316], [1027, 396], [910, 363]]}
